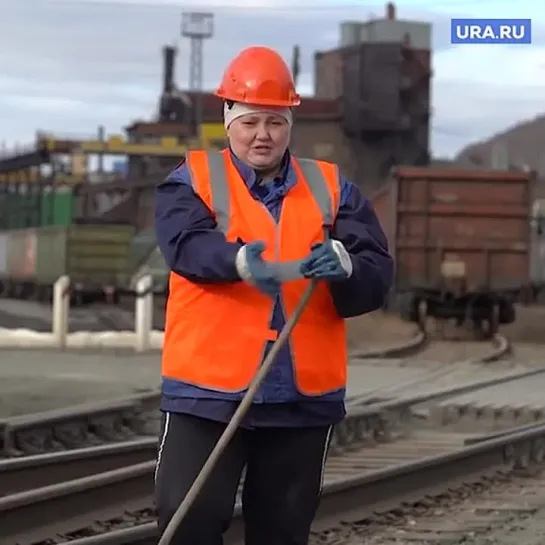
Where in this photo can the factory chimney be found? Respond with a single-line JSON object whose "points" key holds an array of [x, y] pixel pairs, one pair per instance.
{"points": [[169, 58], [390, 11]]}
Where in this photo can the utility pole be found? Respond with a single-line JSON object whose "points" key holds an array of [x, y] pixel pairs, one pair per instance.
{"points": [[296, 63], [197, 26]]}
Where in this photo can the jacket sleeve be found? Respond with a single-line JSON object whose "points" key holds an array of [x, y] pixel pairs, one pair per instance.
{"points": [[359, 230], [187, 233]]}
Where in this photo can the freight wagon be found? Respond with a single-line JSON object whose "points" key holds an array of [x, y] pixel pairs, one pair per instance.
{"points": [[95, 256], [537, 264], [461, 243]]}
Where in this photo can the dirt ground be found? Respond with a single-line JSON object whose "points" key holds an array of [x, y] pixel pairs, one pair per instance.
{"points": [[376, 329], [529, 325], [380, 328]]}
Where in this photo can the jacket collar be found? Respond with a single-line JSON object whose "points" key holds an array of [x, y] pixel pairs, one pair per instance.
{"points": [[286, 178]]}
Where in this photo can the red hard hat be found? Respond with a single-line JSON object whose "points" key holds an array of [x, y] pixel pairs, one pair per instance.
{"points": [[259, 75]]}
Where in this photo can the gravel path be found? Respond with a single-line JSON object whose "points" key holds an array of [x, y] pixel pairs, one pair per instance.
{"points": [[508, 510]]}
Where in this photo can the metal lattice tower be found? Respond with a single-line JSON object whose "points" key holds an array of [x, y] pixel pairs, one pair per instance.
{"points": [[196, 64], [197, 26]]}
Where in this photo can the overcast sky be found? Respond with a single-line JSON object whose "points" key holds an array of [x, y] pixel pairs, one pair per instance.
{"points": [[67, 66]]}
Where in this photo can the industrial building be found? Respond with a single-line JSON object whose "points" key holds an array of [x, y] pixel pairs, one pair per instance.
{"points": [[381, 77], [371, 111]]}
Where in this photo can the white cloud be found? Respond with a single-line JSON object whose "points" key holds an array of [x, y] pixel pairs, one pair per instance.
{"points": [[511, 66], [221, 5], [481, 90], [37, 103]]}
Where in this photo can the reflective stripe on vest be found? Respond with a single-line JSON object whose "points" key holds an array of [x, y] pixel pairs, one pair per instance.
{"points": [[289, 270], [216, 333]]}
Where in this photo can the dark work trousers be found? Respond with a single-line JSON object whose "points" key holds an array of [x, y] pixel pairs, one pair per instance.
{"points": [[284, 471]]}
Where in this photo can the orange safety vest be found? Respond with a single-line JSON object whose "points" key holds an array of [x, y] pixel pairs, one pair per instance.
{"points": [[215, 334]]}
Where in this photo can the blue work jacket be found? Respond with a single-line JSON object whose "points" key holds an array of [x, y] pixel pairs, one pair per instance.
{"points": [[193, 248]]}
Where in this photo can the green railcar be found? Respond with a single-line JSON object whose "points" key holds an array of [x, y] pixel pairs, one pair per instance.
{"points": [[57, 207], [37, 207], [96, 257]]}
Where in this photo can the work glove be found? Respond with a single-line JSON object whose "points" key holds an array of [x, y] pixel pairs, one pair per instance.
{"points": [[328, 260], [253, 269]]}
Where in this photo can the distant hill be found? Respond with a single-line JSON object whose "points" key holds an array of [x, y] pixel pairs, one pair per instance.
{"points": [[522, 145]]}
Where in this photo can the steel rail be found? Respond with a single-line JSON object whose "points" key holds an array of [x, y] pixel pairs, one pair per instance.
{"points": [[439, 393], [28, 472], [121, 419], [500, 347], [368, 421], [113, 420], [406, 348], [358, 497], [71, 426], [33, 515], [502, 432], [364, 424]]}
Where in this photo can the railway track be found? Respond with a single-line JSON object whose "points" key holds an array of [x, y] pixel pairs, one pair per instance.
{"points": [[135, 416], [366, 423], [503, 504], [30, 472], [82, 425], [414, 350], [128, 418], [93, 423], [366, 492], [113, 483], [422, 346]]}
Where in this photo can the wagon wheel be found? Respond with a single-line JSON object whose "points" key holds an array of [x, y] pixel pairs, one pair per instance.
{"points": [[18, 290], [422, 314], [495, 319], [77, 298], [493, 322], [46, 294]]}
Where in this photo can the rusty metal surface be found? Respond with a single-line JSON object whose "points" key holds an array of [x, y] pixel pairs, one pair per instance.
{"points": [[384, 93], [371, 86], [461, 175], [328, 74], [477, 218], [374, 73]]}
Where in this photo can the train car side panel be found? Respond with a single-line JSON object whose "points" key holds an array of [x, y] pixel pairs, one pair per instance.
{"points": [[99, 253], [472, 228], [21, 255], [461, 243], [50, 254], [537, 263], [96, 257]]}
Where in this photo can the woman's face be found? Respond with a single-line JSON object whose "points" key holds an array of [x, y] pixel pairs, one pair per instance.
{"points": [[260, 139]]}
